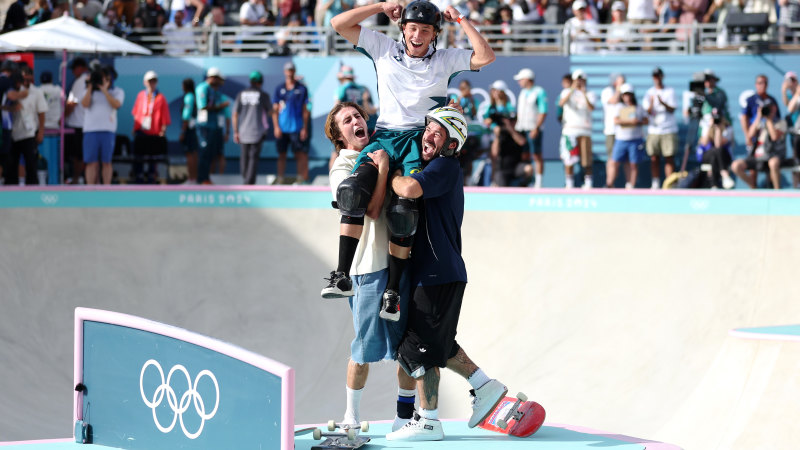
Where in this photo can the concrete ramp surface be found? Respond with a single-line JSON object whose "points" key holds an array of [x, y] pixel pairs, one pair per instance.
{"points": [[609, 309]]}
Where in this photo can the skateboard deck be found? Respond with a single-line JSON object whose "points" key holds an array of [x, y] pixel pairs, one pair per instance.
{"points": [[515, 416], [345, 439], [341, 442]]}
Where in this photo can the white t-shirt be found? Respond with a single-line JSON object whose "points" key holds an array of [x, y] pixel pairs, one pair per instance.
{"points": [[252, 12], [581, 33], [662, 122], [610, 110], [528, 105], [179, 40], [75, 120], [629, 133], [100, 116], [408, 86], [373, 246], [26, 121], [641, 9], [577, 116], [52, 95]]}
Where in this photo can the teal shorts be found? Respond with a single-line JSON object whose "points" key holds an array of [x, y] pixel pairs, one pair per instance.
{"points": [[403, 148]]}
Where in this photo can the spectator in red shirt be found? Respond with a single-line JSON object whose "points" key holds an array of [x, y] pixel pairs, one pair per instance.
{"points": [[150, 121]]}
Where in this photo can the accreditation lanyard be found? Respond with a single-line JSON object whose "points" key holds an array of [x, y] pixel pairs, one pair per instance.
{"points": [[147, 120]]}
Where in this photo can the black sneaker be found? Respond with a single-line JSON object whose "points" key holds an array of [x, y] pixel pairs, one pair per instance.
{"points": [[339, 286], [390, 308]]}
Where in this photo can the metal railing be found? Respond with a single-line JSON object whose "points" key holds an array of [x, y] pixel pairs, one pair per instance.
{"points": [[508, 40]]}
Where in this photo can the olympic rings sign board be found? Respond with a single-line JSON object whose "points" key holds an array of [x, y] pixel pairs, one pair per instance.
{"points": [[145, 385], [190, 397]]}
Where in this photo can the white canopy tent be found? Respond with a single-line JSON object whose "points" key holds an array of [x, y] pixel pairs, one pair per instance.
{"points": [[67, 34]]}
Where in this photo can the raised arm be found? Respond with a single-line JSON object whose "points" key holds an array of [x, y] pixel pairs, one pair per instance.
{"points": [[482, 53], [347, 23]]}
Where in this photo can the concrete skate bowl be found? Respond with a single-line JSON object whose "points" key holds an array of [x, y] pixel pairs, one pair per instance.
{"points": [[608, 309]]}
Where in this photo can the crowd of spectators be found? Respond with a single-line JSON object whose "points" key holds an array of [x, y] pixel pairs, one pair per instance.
{"points": [[93, 141], [176, 23], [637, 129]]}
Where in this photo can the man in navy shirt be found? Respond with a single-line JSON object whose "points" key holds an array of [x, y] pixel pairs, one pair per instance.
{"points": [[754, 103], [290, 117], [439, 277]]}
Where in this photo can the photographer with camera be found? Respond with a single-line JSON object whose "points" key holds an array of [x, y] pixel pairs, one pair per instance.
{"points": [[714, 148], [754, 104], [576, 134], [509, 162], [101, 102], [767, 132]]}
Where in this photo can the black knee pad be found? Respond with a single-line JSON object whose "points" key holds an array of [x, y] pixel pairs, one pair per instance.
{"points": [[402, 215], [352, 220], [355, 191], [407, 241]]}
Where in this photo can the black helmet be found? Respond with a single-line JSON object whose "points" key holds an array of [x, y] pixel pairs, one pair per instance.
{"points": [[422, 11]]}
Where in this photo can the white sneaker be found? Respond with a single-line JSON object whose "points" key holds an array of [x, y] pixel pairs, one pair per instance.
{"points": [[728, 183], [628, 186], [484, 399], [352, 422], [399, 423], [418, 429]]}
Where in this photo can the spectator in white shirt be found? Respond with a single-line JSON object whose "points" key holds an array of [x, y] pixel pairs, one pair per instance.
{"points": [[662, 133], [581, 29], [102, 100], [611, 99], [577, 104], [179, 37], [27, 131], [52, 94], [629, 142]]}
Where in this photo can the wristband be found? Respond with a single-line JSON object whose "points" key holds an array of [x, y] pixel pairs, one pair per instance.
{"points": [[459, 18]]}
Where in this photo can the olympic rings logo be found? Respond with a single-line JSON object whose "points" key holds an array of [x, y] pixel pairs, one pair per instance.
{"points": [[49, 199], [191, 396]]}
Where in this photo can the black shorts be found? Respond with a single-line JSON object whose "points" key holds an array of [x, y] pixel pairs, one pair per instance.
{"points": [[73, 145], [430, 337]]}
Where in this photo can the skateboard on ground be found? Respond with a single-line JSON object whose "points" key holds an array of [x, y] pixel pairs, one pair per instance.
{"points": [[344, 439], [515, 417]]}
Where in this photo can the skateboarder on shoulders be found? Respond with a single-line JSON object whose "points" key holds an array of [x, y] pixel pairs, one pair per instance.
{"points": [[413, 76], [438, 279], [376, 340]]}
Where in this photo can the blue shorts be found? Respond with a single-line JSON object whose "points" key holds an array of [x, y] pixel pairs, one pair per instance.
{"points": [[287, 140], [403, 148], [631, 151], [98, 146], [534, 145], [376, 339]]}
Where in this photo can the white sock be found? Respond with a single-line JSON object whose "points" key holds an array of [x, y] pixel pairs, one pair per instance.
{"points": [[431, 414], [538, 182], [570, 183], [353, 403], [478, 379], [406, 392], [587, 181], [655, 184]]}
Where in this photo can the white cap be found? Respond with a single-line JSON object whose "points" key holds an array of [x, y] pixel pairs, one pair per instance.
{"points": [[618, 6], [626, 88], [578, 74], [214, 72], [150, 75], [524, 74], [500, 85], [578, 4]]}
